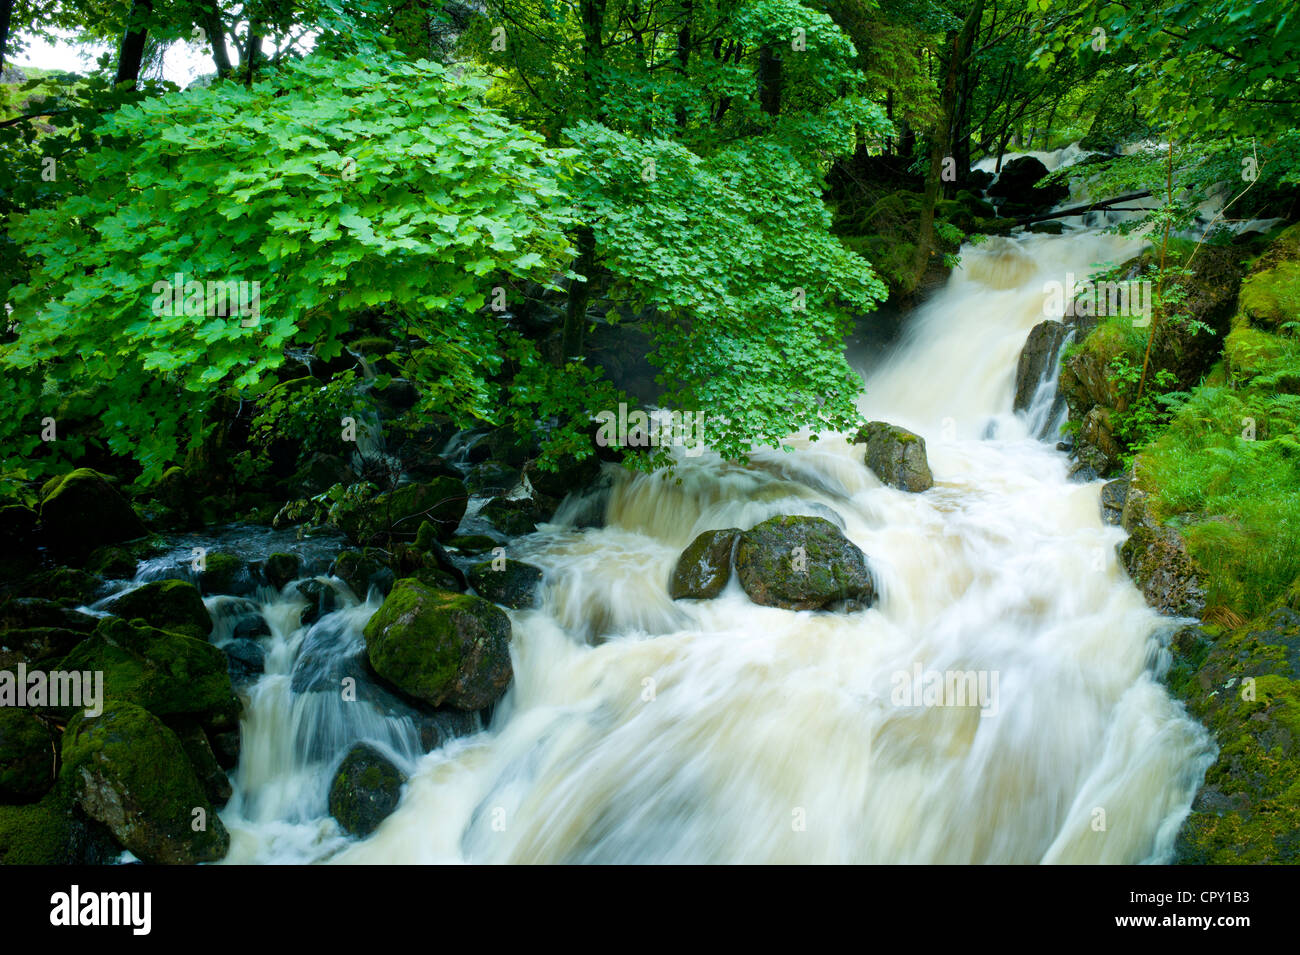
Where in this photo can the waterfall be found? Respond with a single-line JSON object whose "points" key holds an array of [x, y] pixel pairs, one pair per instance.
{"points": [[639, 729]]}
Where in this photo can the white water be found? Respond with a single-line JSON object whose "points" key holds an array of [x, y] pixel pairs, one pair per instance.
{"points": [[642, 730]]}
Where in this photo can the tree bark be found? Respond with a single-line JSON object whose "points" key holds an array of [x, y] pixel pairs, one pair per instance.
{"points": [[6, 16], [575, 318], [769, 80], [217, 37], [131, 53]]}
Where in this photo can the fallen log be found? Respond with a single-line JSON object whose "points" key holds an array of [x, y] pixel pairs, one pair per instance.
{"points": [[1080, 210]]}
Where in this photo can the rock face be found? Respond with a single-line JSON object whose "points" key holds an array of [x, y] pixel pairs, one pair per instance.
{"points": [[441, 647], [897, 456], [365, 791], [802, 563], [1037, 359], [168, 605], [165, 673], [130, 772], [1157, 560], [514, 585], [704, 567], [399, 512], [1017, 186], [82, 511], [1113, 495]]}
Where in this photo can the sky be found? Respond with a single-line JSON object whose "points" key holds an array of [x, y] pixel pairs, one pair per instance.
{"points": [[182, 63]]}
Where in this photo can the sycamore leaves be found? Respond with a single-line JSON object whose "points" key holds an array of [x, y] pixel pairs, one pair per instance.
{"points": [[334, 185], [752, 293]]}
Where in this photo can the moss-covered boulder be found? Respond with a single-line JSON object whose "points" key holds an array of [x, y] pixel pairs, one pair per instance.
{"points": [[54, 831], [173, 605], [363, 570], [35, 645], [67, 584], [198, 750], [802, 563], [168, 674], [226, 574], [27, 754], [1271, 298], [27, 613], [897, 456], [517, 516], [365, 791], [81, 511], [563, 476], [441, 647], [130, 772], [280, 568], [1157, 560], [398, 513], [704, 567], [512, 583]]}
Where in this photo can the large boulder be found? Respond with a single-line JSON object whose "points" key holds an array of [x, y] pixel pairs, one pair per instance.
{"points": [[1017, 187], [363, 570], [81, 511], [226, 574], [704, 567], [398, 513], [130, 772], [1037, 359], [511, 583], [26, 756], [27, 613], [173, 605], [441, 647], [564, 475], [897, 456], [166, 673], [802, 563], [1157, 559], [365, 791], [516, 516]]}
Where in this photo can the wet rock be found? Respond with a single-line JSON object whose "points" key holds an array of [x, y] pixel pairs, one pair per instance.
{"points": [[1113, 495], [517, 516], [897, 456], [512, 583], [398, 513], [278, 569], [247, 660], [1017, 185], [1159, 563], [365, 791], [569, 474], [215, 783], [802, 563], [81, 511], [226, 574], [704, 567], [66, 584], [1097, 447], [28, 613], [441, 647], [504, 445], [173, 605], [1037, 359], [113, 562], [27, 756], [491, 478], [362, 570], [166, 673], [130, 772], [321, 599], [250, 627], [473, 543]]}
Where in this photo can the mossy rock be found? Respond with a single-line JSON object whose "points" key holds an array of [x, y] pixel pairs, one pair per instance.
{"points": [[363, 570], [441, 647], [54, 831], [365, 791], [168, 674], [26, 756], [280, 568], [1157, 560], [1270, 299], [81, 511], [896, 456], [113, 562], [36, 644], [226, 574], [30, 613], [802, 563], [563, 476], [511, 583], [198, 750], [173, 605], [130, 772], [398, 513], [704, 567], [518, 516], [67, 584], [473, 543]]}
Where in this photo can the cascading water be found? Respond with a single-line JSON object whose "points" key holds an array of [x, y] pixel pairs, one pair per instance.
{"points": [[639, 729]]}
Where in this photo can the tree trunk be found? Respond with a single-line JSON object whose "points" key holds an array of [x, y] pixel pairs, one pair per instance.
{"points": [[131, 54], [217, 37], [941, 141], [769, 80], [6, 16], [575, 318]]}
